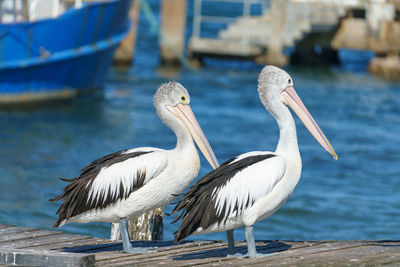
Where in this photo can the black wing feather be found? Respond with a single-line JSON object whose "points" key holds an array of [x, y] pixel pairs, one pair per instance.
{"points": [[198, 205], [76, 193]]}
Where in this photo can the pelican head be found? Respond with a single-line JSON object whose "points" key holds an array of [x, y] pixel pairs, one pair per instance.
{"points": [[275, 87], [172, 104]]}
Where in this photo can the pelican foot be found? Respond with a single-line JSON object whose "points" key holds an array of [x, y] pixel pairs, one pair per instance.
{"points": [[258, 255], [138, 250], [251, 245]]}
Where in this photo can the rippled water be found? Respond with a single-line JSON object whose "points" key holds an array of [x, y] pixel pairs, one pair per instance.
{"points": [[356, 197]]}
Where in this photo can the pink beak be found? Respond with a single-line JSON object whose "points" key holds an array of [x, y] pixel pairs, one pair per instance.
{"points": [[184, 113], [290, 98]]}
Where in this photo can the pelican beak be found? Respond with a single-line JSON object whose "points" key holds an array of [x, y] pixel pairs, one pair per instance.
{"points": [[185, 114], [290, 98]]}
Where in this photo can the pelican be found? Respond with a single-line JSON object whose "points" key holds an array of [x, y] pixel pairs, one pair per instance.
{"points": [[252, 186], [127, 183]]}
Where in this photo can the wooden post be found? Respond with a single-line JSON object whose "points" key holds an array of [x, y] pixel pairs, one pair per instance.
{"points": [[148, 226], [26, 9], [124, 54], [277, 11], [172, 36]]}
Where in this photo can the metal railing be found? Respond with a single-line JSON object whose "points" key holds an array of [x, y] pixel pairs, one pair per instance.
{"points": [[34, 4], [28, 10], [198, 18]]}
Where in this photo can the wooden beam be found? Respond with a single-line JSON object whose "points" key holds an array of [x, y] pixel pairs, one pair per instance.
{"points": [[44, 258]]}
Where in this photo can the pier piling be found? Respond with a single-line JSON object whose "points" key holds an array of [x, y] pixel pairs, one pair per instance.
{"points": [[274, 55], [172, 35], [126, 50], [147, 227]]}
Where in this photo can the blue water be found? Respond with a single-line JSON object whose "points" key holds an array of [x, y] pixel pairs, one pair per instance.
{"points": [[356, 197]]}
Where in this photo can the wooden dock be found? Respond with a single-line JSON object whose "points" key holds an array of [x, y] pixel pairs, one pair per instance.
{"points": [[21, 246]]}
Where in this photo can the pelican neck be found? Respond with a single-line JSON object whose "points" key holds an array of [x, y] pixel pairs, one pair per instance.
{"points": [[287, 143], [184, 139]]}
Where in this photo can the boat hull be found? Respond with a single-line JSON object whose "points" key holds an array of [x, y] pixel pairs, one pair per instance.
{"points": [[44, 68]]}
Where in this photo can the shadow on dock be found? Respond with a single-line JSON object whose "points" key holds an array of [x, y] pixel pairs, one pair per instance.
{"points": [[117, 246], [384, 243], [269, 247]]}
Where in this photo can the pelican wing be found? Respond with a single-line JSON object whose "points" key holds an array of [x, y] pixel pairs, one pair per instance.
{"points": [[228, 190], [109, 179]]}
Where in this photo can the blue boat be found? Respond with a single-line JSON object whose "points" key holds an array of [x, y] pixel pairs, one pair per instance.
{"points": [[61, 57], [354, 59]]}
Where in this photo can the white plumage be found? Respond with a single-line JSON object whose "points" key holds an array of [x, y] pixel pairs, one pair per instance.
{"points": [[249, 184], [253, 185], [126, 173], [128, 183]]}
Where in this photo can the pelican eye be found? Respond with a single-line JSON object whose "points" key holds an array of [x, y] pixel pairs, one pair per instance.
{"points": [[183, 99], [289, 81]]}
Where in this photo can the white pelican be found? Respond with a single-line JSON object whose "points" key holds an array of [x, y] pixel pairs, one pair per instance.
{"points": [[253, 185], [130, 182]]}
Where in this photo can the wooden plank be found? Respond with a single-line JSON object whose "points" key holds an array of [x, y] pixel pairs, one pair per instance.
{"points": [[27, 239], [55, 243], [55, 238], [95, 246], [28, 246], [266, 247], [205, 259], [33, 233], [136, 258], [212, 258], [298, 253], [71, 245], [390, 260], [161, 250], [215, 257], [15, 229], [204, 254], [364, 254], [215, 253], [44, 258], [133, 259]]}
